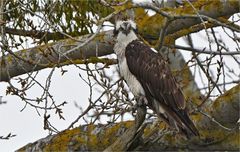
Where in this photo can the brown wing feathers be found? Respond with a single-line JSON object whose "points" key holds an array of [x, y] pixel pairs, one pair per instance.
{"points": [[156, 73], [155, 76]]}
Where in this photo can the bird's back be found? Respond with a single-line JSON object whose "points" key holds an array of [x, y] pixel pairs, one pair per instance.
{"points": [[161, 89]]}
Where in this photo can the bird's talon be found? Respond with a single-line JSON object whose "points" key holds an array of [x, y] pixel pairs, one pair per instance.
{"points": [[141, 101]]}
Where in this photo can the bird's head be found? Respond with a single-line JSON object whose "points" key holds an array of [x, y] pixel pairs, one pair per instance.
{"points": [[125, 28]]}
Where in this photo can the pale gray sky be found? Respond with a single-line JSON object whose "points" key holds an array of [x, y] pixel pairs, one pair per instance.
{"points": [[28, 126]]}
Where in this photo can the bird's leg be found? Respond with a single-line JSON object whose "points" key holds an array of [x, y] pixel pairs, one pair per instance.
{"points": [[138, 128], [141, 111]]}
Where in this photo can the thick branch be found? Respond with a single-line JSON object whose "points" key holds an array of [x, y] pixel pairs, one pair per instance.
{"points": [[224, 111], [184, 17], [35, 34], [50, 55]]}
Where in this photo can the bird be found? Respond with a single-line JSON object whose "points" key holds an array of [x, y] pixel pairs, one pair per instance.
{"points": [[149, 78]]}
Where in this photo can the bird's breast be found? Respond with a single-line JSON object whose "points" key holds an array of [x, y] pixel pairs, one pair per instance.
{"points": [[132, 82]]}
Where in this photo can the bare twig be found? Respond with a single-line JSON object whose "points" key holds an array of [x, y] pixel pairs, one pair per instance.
{"points": [[204, 51]]}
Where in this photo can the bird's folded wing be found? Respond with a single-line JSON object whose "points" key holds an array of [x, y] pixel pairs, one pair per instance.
{"points": [[154, 74]]}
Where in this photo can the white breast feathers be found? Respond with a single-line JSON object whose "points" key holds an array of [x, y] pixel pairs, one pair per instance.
{"points": [[119, 48], [132, 82]]}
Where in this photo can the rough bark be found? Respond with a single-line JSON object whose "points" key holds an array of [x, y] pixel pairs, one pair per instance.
{"points": [[47, 56], [92, 137], [99, 137], [212, 9]]}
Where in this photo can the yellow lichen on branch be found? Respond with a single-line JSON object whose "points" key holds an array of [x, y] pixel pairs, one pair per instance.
{"points": [[93, 60], [99, 137], [86, 137], [150, 26], [123, 7]]}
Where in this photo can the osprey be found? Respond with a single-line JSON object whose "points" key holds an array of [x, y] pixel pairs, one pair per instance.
{"points": [[149, 78]]}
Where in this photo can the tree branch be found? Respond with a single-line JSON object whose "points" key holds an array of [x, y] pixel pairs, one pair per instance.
{"points": [[186, 16], [35, 34], [203, 51], [224, 110], [47, 56]]}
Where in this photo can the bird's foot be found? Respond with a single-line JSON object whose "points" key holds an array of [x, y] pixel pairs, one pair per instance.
{"points": [[141, 111], [141, 101]]}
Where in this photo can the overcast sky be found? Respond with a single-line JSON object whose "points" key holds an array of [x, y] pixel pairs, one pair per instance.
{"points": [[28, 125]]}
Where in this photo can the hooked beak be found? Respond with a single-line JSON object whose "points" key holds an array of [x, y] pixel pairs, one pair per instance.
{"points": [[127, 29]]}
